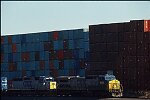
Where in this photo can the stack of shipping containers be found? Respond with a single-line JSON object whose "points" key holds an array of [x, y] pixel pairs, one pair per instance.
{"points": [[53, 54], [123, 48]]}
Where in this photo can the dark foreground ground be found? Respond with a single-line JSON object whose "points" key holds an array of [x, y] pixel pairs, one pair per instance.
{"points": [[66, 98]]}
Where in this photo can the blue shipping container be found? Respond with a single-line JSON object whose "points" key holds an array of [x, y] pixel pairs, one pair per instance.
{"points": [[71, 44], [65, 35], [56, 64], [4, 67], [56, 46], [86, 36], [70, 32], [5, 39], [18, 47], [9, 48], [44, 36], [60, 44], [19, 66], [6, 48], [6, 57]]}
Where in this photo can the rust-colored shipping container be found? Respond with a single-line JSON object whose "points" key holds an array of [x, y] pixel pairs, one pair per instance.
{"points": [[42, 65], [142, 49], [55, 35], [2, 40], [60, 54], [61, 64], [12, 67], [55, 73], [23, 72], [9, 39], [25, 56], [14, 48]]}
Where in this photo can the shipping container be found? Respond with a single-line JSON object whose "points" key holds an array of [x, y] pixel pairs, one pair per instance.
{"points": [[43, 36]]}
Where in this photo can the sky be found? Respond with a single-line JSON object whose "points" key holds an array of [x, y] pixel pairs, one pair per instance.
{"points": [[20, 17]]}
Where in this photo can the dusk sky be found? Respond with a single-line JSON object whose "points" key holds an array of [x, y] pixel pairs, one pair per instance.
{"points": [[19, 17]]}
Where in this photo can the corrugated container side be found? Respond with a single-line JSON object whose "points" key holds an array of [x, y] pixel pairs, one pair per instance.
{"points": [[56, 64], [65, 44], [56, 45], [12, 67], [61, 64], [61, 37], [19, 66], [14, 48], [2, 39], [55, 35], [29, 38], [37, 65], [50, 36], [60, 54], [6, 57], [80, 34], [44, 36], [71, 64], [54, 73], [66, 72], [86, 36], [9, 48], [47, 55], [47, 65], [86, 46], [5, 48], [9, 39], [61, 72], [72, 72], [70, 32], [36, 47], [112, 37], [24, 47], [41, 46], [4, 67], [23, 38], [47, 73], [10, 57], [32, 56], [2, 57], [37, 56], [36, 37], [42, 65], [16, 39], [66, 64], [32, 65], [60, 44], [2, 48], [5, 40], [51, 65], [25, 56], [39, 73], [81, 72], [18, 47], [81, 53], [65, 34], [76, 54], [42, 55], [16, 57], [71, 44]]}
